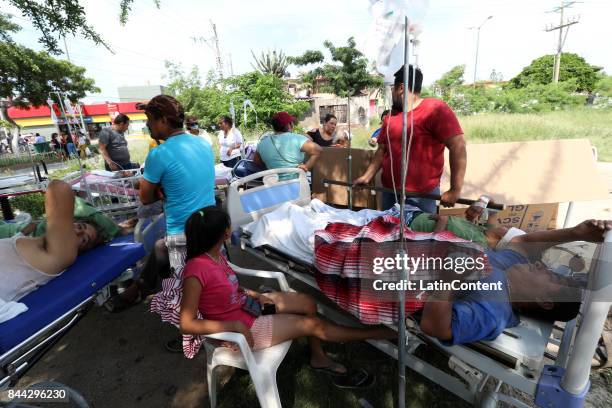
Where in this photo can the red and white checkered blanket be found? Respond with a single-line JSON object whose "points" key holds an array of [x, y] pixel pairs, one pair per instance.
{"points": [[343, 260]]}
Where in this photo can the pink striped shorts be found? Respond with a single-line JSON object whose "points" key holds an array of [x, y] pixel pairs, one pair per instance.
{"points": [[262, 332]]}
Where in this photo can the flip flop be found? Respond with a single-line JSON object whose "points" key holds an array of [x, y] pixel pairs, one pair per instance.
{"points": [[331, 369], [356, 380], [118, 304]]}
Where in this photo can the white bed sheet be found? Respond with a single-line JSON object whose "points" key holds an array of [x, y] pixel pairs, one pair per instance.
{"points": [[291, 228]]}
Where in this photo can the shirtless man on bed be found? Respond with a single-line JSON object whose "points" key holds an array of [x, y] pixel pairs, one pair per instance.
{"points": [[530, 289], [28, 263]]}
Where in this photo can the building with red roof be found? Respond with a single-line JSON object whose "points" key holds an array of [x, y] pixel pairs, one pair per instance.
{"points": [[96, 116]]}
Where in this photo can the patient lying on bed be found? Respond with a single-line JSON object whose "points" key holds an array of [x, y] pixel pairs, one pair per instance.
{"points": [[530, 289], [291, 228], [28, 263]]}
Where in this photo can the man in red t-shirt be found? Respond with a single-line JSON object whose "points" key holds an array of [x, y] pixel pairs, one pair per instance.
{"points": [[435, 127]]}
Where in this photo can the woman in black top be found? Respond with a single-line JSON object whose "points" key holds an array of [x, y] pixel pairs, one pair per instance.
{"points": [[325, 136]]}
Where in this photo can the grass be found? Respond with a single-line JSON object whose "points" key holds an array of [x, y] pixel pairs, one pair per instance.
{"points": [[595, 125]]}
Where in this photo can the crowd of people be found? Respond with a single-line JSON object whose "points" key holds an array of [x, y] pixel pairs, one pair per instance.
{"points": [[200, 292]]}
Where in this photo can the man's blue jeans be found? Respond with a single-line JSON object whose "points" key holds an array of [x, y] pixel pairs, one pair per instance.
{"points": [[425, 204]]}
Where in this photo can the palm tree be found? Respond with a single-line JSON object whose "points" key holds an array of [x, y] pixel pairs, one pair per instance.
{"points": [[271, 62]]}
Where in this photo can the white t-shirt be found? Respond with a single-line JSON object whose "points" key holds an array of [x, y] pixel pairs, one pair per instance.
{"points": [[229, 141]]}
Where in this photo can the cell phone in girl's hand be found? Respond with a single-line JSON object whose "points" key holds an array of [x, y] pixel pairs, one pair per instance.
{"points": [[252, 306], [268, 309]]}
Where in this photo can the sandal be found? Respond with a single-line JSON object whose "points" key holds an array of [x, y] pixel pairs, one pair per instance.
{"points": [[357, 380], [117, 303], [332, 369]]}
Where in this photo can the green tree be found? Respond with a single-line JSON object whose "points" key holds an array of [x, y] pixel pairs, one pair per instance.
{"points": [[346, 75], [573, 67], [267, 93], [187, 87], [604, 86], [448, 82], [271, 62], [27, 76], [208, 102]]}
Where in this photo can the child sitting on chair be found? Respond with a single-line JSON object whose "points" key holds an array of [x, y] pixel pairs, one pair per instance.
{"points": [[211, 287]]}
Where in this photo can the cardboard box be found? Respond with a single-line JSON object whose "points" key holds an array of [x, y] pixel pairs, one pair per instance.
{"points": [[529, 218], [548, 171], [333, 165]]}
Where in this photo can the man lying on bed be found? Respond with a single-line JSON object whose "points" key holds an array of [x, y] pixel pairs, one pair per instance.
{"points": [[530, 289], [30, 262]]}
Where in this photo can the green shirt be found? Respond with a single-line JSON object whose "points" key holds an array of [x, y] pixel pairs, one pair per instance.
{"points": [[457, 225]]}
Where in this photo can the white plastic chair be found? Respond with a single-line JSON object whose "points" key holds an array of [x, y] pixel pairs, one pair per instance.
{"points": [[261, 365]]}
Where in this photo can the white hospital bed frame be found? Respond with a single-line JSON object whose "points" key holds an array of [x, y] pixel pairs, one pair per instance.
{"points": [[516, 358]]}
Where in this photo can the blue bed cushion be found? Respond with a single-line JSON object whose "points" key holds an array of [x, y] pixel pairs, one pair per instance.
{"points": [[270, 196], [91, 272]]}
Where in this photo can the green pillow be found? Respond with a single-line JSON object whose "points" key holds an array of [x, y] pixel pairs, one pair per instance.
{"points": [[84, 211]]}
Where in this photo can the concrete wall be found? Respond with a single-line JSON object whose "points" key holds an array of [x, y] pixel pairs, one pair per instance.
{"points": [[359, 113]]}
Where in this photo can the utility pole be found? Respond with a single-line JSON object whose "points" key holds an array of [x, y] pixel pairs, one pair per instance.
{"points": [[66, 48], [213, 44], [231, 65], [217, 49], [477, 46], [562, 34]]}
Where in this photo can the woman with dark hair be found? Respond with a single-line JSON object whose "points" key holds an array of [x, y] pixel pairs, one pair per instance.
{"points": [[326, 136], [211, 288], [230, 140]]}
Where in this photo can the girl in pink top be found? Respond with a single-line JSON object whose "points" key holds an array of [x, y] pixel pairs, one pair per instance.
{"points": [[211, 287]]}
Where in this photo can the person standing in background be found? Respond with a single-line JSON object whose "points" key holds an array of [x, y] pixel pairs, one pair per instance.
{"points": [[230, 140], [374, 138], [325, 136], [192, 126], [113, 146]]}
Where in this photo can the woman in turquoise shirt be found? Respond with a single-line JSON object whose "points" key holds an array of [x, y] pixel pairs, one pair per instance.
{"points": [[284, 149]]}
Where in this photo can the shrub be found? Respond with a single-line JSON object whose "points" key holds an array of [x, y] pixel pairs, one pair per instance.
{"points": [[34, 204]]}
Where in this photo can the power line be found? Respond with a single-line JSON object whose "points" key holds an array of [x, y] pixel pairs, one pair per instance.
{"points": [[563, 24]]}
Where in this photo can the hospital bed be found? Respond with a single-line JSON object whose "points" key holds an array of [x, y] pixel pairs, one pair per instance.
{"points": [[518, 359], [113, 193], [54, 308]]}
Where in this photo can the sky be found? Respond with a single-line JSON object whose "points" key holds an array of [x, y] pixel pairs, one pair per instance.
{"points": [[509, 41]]}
